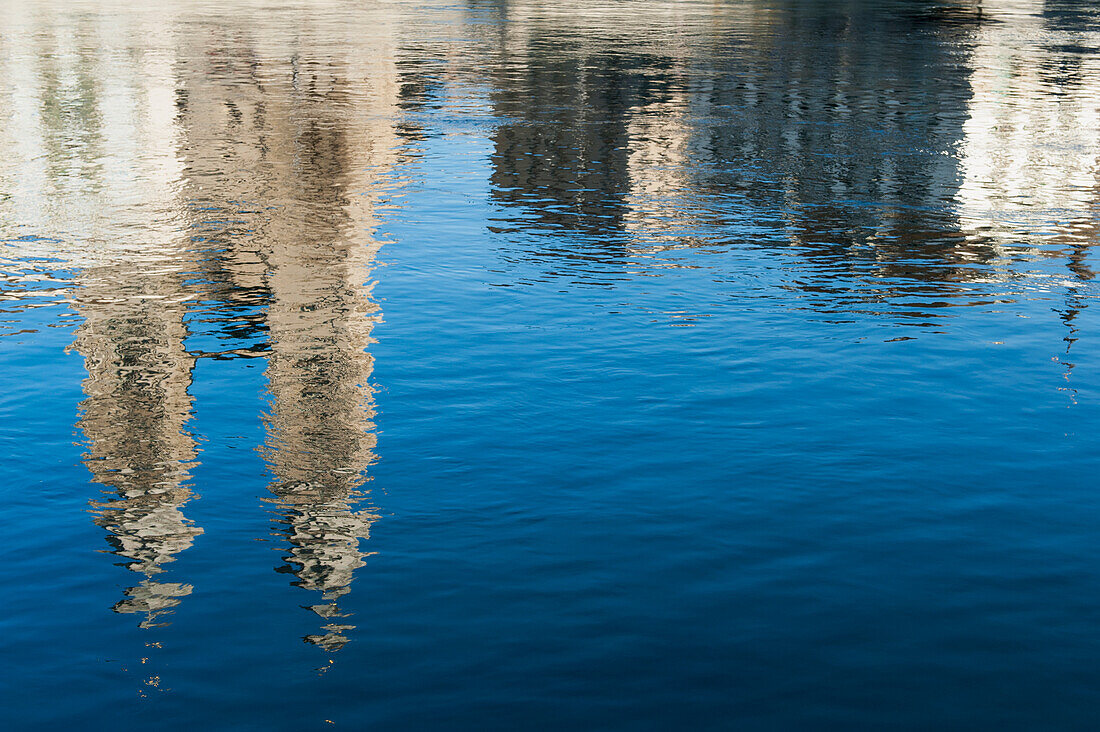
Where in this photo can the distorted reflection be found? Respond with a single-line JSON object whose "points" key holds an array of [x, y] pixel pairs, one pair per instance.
{"points": [[225, 182], [134, 419], [668, 143], [884, 177], [1031, 152], [106, 217], [214, 183], [318, 145]]}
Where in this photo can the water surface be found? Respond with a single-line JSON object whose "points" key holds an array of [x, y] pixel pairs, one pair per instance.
{"points": [[521, 365]]}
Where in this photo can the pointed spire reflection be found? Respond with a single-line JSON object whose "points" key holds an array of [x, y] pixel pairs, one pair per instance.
{"points": [[317, 134], [92, 170], [134, 418], [321, 436]]}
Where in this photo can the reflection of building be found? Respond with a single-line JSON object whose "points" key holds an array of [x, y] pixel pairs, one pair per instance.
{"points": [[245, 167], [290, 172], [89, 142], [841, 129], [93, 171], [687, 110], [134, 418], [827, 133], [1031, 158], [237, 171]]}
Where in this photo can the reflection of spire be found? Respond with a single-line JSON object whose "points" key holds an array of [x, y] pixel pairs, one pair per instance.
{"points": [[320, 438], [91, 177], [320, 434], [324, 531], [298, 231], [134, 418]]}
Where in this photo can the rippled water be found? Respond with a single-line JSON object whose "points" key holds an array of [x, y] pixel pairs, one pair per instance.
{"points": [[572, 365]]}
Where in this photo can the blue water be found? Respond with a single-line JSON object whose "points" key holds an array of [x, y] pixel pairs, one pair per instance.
{"points": [[575, 365]]}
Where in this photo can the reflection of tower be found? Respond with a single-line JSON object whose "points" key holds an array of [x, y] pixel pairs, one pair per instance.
{"points": [[320, 434], [299, 157], [134, 418], [93, 170]]}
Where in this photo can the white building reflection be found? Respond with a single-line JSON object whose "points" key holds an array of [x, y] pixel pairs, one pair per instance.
{"points": [[291, 142], [1031, 151], [92, 175], [226, 164], [1030, 159]]}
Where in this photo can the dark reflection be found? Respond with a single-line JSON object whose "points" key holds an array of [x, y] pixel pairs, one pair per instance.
{"points": [[849, 147], [682, 140], [845, 138], [295, 240], [565, 157]]}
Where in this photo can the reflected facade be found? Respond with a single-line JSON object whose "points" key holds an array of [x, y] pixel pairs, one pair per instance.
{"points": [[107, 217], [251, 208], [299, 233]]}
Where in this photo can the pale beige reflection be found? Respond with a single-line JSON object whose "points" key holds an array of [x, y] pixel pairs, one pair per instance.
{"points": [[155, 151], [90, 163], [134, 419], [303, 149]]}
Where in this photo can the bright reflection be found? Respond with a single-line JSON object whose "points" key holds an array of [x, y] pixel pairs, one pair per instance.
{"points": [[166, 166]]}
